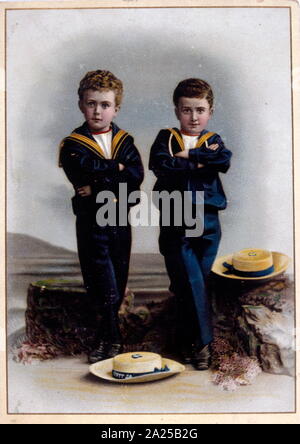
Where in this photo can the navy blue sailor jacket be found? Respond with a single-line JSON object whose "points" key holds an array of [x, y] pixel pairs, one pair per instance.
{"points": [[84, 163], [175, 173]]}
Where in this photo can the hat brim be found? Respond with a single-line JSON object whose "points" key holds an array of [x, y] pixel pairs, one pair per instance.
{"points": [[281, 262], [103, 370]]}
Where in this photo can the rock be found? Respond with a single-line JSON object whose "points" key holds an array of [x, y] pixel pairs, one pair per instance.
{"points": [[258, 320], [272, 338]]}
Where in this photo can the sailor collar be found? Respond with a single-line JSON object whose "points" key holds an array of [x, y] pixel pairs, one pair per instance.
{"points": [[177, 136], [87, 140]]}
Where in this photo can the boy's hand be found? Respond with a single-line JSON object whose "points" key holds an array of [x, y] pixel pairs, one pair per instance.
{"points": [[84, 191], [183, 154], [121, 167], [213, 147]]}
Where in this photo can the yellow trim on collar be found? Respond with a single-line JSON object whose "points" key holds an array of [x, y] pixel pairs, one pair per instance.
{"points": [[94, 146], [200, 142], [117, 142], [87, 142], [178, 138], [203, 139]]}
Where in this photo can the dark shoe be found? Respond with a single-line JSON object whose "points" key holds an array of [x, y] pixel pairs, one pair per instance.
{"points": [[202, 358], [99, 354], [114, 350]]}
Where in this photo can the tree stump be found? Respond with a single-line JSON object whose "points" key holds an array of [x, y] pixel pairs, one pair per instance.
{"points": [[59, 314], [257, 319]]}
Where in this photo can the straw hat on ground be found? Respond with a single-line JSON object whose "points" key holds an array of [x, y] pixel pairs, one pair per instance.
{"points": [[251, 264], [136, 367]]}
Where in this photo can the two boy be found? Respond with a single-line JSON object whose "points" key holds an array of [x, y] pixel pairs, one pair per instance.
{"points": [[99, 156]]}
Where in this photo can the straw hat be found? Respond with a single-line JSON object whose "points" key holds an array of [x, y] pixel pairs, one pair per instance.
{"points": [[136, 367], [251, 264]]}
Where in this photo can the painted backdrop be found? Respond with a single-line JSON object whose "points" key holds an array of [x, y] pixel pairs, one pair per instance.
{"points": [[243, 53]]}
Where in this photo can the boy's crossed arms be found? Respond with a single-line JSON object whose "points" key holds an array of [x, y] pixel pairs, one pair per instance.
{"points": [[186, 153]]}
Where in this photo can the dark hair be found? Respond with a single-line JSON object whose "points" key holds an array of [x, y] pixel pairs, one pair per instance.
{"points": [[99, 80], [194, 88]]}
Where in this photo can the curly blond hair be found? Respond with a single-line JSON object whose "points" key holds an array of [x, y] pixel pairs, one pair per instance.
{"points": [[101, 80], [194, 88]]}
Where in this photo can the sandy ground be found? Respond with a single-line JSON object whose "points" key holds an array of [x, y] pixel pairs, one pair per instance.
{"points": [[64, 385]]}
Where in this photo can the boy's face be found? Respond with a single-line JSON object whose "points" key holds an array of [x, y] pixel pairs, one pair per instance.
{"points": [[193, 114], [99, 109]]}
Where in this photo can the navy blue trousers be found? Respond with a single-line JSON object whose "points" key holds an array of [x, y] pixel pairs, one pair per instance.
{"points": [[104, 255], [188, 263]]}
